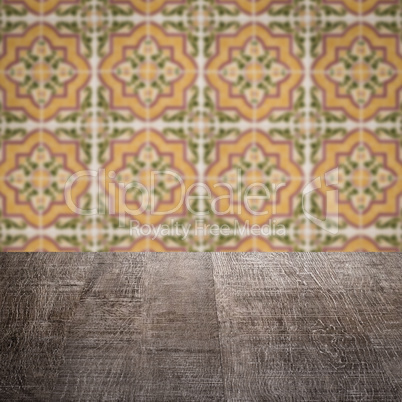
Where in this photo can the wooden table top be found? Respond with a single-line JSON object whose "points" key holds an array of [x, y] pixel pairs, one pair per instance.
{"points": [[200, 326]]}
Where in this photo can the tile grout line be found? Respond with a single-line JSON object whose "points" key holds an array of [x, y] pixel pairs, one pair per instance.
{"points": [[294, 178], [352, 125], [307, 88], [41, 124], [148, 121], [137, 17], [94, 141], [350, 231], [361, 110], [254, 118], [201, 127]]}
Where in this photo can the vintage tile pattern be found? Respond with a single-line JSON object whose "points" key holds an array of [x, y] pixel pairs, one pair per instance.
{"points": [[280, 92]]}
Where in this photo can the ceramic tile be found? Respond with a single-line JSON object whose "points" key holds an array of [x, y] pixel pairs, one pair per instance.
{"points": [[301, 96]]}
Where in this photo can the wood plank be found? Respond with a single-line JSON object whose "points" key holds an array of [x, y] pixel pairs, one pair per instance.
{"points": [[181, 339], [128, 326], [309, 326], [102, 354], [37, 301], [146, 330]]}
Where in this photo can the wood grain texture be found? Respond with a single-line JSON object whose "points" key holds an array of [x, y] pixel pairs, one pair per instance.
{"points": [[102, 353], [310, 326], [181, 338], [37, 301], [200, 326]]}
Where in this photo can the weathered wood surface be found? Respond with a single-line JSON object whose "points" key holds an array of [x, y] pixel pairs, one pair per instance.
{"points": [[199, 326], [310, 326]]}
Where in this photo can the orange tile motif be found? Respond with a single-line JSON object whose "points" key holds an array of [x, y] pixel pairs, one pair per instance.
{"points": [[45, 244], [155, 165], [148, 6], [361, 7], [369, 176], [35, 172], [41, 6], [142, 73], [359, 72], [253, 6], [254, 72], [201, 125], [43, 72], [255, 158]]}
